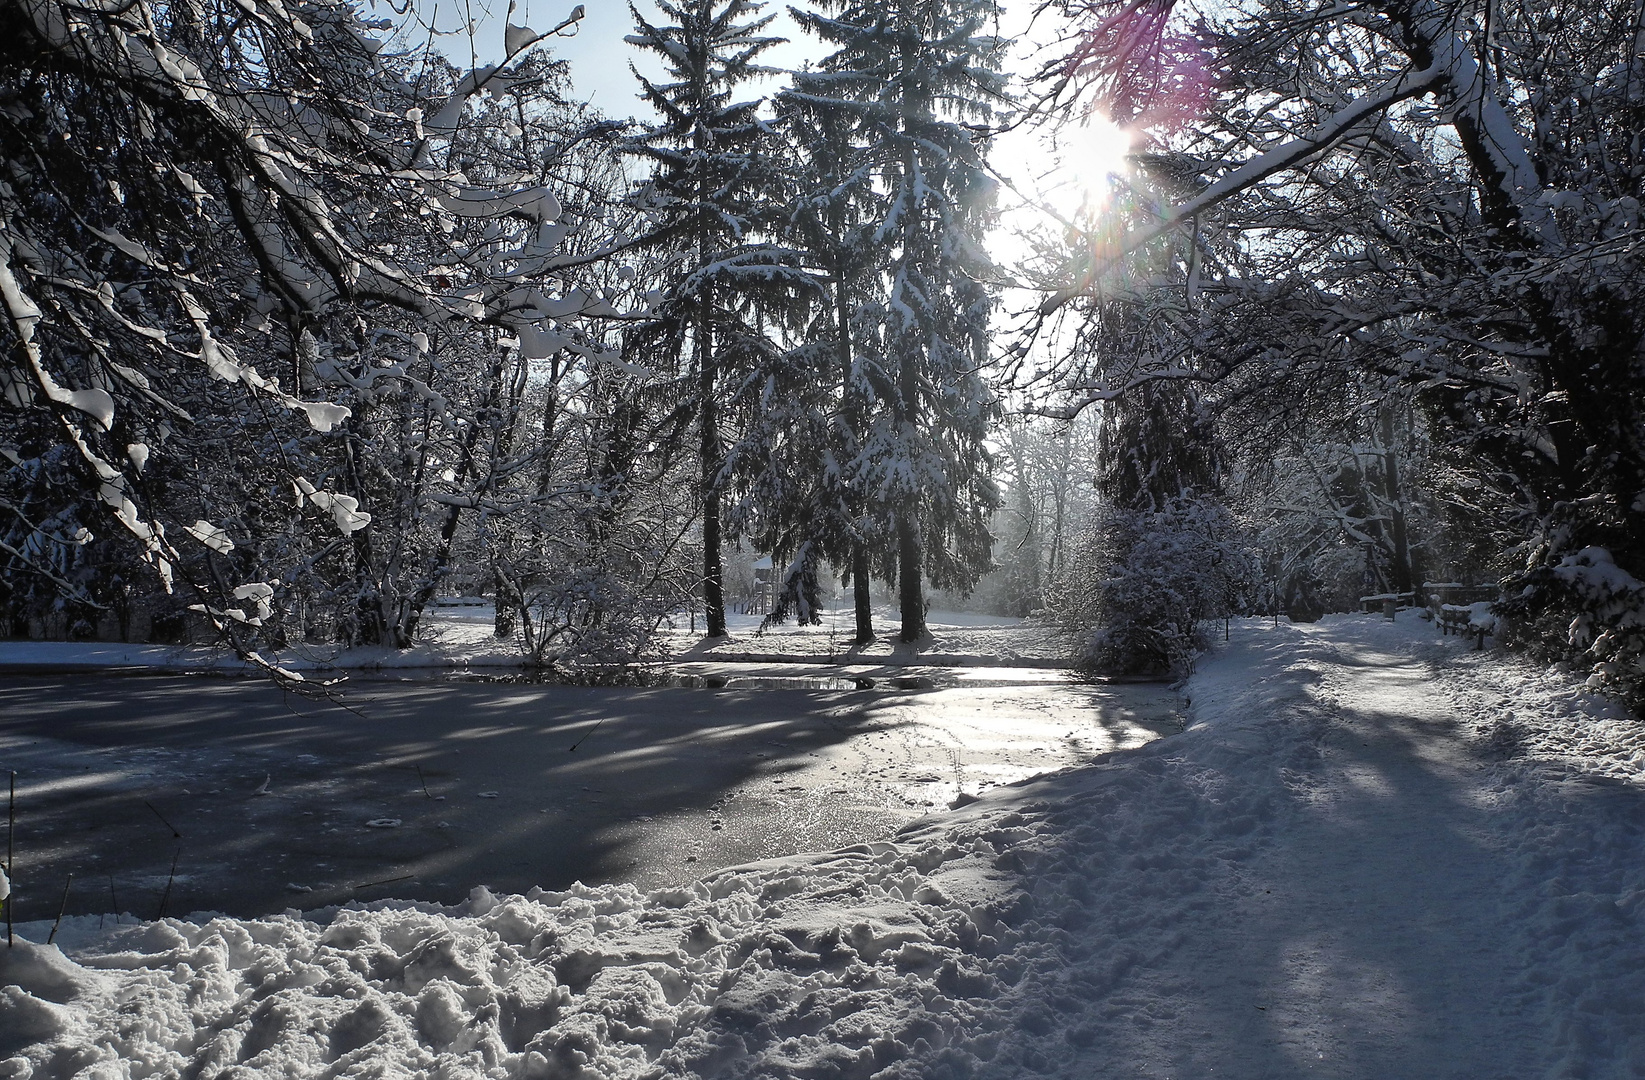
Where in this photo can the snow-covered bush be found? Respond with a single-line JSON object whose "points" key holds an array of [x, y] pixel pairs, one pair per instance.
{"points": [[1584, 609], [592, 615], [1143, 582], [589, 584]]}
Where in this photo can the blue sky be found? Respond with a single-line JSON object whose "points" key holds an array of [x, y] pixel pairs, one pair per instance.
{"points": [[598, 55]]}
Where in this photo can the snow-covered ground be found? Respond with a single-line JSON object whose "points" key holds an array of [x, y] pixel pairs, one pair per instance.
{"points": [[451, 638], [1372, 854], [460, 637], [956, 638]]}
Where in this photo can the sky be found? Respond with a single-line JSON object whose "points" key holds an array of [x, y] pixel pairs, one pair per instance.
{"points": [[600, 70], [597, 53], [1034, 174]]}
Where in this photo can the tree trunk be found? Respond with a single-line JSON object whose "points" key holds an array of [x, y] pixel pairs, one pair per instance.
{"points": [[909, 562], [370, 628], [859, 590], [709, 424], [1400, 577], [851, 416], [908, 578], [505, 617]]}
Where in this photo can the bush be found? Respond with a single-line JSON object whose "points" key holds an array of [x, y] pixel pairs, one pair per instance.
{"points": [[1586, 610], [1142, 583]]}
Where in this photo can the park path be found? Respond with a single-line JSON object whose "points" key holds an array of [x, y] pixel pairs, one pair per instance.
{"points": [[1343, 874]]}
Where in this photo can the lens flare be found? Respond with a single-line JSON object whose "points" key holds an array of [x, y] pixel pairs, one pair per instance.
{"points": [[1091, 164]]}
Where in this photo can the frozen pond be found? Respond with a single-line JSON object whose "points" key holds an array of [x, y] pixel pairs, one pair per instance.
{"points": [[423, 789]]}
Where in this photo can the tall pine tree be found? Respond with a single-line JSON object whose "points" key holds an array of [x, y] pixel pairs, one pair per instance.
{"points": [[831, 217]]}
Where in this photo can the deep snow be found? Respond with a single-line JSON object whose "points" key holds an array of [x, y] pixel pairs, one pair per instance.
{"points": [[1373, 854]]}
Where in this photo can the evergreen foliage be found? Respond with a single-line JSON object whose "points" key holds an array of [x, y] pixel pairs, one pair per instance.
{"points": [[914, 77], [831, 216], [714, 179]]}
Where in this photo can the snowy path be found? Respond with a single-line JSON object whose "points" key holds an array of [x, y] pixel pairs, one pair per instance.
{"points": [[1364, 937], [1359, 888], [1388, 903], [1372, 856]]}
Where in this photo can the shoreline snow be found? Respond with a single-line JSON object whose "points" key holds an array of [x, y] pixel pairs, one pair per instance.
{"points": [[460, 639], [1343, 868]]}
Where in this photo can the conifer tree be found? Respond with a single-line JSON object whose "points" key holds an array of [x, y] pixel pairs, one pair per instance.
{"points": [[711, 163], [915, 77], [831, 216]]}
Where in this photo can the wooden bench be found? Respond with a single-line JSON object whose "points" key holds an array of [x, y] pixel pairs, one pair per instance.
{"points": [[1453, 592], [1382, 601], [1459, 619]]}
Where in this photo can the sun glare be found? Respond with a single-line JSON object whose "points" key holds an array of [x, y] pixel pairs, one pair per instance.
{"points": [[1090, 158]]}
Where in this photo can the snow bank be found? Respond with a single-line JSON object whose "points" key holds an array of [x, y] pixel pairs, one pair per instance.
{"points": [[831, 965], [1334, 870]]}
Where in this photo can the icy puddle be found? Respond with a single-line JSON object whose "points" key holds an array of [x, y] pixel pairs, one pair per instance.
{"points": [[266, 801]]}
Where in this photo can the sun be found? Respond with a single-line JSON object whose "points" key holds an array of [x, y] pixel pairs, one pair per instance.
{"points": [[1063, 183], [1091, 161]]}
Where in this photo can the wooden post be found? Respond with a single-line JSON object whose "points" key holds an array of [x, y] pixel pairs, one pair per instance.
{"points": [[62, 907]]}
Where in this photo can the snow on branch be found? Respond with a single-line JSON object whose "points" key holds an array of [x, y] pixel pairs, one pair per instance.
{"points": [[1278, 159]]}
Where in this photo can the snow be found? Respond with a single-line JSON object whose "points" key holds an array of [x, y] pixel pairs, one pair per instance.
{"points": [[344, 508], [956, 639], [212, 536], [518, 38], [1373, 853], [460, 636]]}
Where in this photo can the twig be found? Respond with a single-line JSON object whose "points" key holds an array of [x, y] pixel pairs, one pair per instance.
{"points": [[385, 881], [586, 734], [165, 897], [175, 834], [337, 700], [64, 906], [114, 902], [420, 779], [11, 864]]}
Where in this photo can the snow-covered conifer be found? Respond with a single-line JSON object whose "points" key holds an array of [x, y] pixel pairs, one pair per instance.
{"points": [[918, 80], [706, 200]]}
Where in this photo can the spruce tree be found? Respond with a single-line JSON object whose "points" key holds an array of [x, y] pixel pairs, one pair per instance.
{"points": [[831, 216], [711, 163], [916, 77]]}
